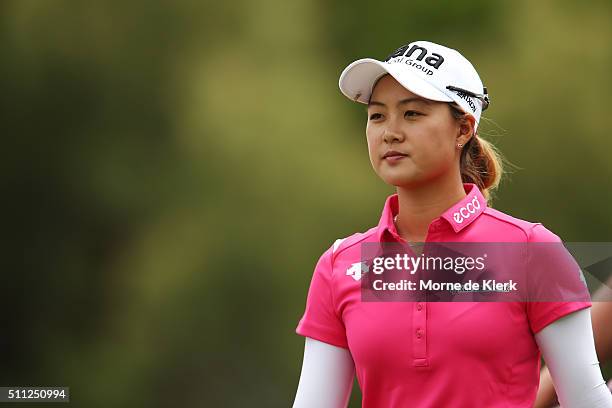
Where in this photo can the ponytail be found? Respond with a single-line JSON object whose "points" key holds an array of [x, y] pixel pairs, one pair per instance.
{"points": [[480, 163]]}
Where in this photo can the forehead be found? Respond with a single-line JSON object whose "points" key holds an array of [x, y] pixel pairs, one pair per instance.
{"points": [[387, 91]]}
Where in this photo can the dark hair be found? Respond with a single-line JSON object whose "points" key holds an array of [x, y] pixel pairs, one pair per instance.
{"points": [[480, 162]]}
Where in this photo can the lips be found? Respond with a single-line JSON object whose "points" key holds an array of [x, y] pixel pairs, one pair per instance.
{"points": [[394, 153]]}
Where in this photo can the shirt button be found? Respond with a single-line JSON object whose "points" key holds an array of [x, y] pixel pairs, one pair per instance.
{"points": [[419, 333], [419, 306]]}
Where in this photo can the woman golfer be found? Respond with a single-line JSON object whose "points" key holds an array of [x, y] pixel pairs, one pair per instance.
{"points": [[424, 106]]}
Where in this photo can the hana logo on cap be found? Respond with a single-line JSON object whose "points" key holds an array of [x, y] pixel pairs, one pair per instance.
{"points": [[427, 69], [405, 52]]}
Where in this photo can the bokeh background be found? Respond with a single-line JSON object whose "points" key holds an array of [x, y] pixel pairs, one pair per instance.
{"points": [[172, 170]]}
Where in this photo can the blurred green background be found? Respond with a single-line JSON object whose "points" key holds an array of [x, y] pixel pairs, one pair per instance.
{"points": [[172, 170]]}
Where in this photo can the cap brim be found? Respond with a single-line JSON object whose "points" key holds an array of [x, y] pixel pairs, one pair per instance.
{"points": [[357, 80]]}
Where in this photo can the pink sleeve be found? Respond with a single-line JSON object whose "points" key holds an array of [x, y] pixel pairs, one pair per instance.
{"points": [[321, 320], [541, 314]]}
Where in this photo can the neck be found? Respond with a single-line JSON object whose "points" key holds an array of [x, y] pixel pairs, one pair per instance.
{"points": [[419, 205]]}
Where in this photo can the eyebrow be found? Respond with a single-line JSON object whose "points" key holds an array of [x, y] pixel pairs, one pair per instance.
{"points": [[403, 101]]}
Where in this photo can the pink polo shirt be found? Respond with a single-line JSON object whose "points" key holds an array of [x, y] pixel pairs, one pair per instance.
{"points": [[434, 354]]}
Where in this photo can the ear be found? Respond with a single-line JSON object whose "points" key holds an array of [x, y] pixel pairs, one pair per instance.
{"points": [[467, 125]]}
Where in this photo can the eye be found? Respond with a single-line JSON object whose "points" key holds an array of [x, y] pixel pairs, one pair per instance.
{"points": [[375, 116], [411, 113]]}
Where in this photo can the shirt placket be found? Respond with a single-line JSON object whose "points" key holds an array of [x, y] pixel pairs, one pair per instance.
{"points": [[419, 323], [420, 357]]}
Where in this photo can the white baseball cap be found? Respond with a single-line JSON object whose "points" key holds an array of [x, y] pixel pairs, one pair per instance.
{"points": [[429, 70]]}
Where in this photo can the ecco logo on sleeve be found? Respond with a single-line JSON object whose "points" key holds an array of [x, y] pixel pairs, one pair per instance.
{"points": [[465, 212]]}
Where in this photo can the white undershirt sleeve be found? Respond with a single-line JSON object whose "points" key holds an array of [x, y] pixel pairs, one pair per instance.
{"points": [[568, 349], [327, 376]]}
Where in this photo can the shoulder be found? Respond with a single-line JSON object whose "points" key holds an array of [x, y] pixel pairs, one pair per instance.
{"points": [[342, 244], [347, 246], [530, 231]]}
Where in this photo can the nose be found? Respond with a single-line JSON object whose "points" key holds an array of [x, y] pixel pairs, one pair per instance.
{"points": [[393, 131], [390, 135]]}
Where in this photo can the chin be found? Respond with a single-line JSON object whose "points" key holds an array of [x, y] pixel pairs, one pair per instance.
{"points": [[411, 177], [402, 180]]}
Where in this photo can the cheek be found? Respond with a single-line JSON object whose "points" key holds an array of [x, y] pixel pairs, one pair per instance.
{"points": [[371, 147], [444, 147], [437, 148]]}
